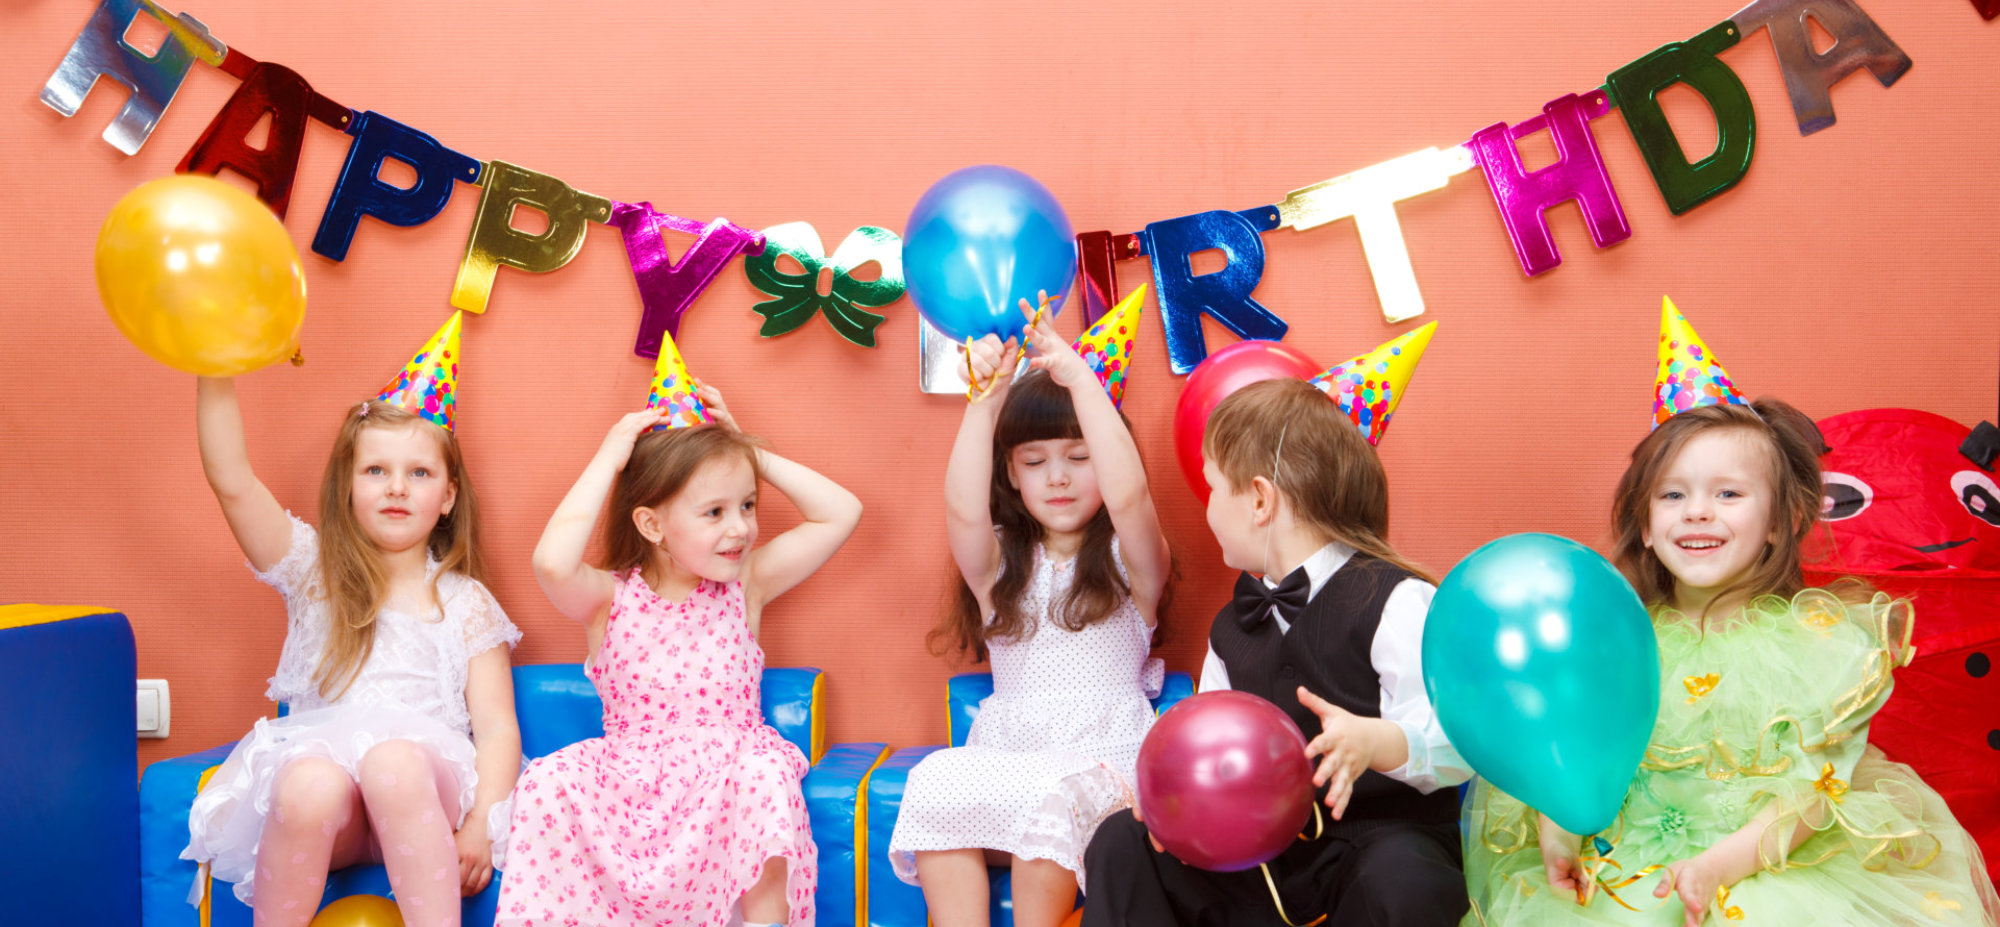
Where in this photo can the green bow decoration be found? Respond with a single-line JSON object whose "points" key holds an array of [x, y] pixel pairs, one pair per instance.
{"points": [[796, 297]]}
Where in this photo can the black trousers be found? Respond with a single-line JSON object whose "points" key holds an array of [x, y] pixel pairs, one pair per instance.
{"points": [[1360, 874]]}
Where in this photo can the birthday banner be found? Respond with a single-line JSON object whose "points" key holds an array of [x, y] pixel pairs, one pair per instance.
{"points": [[668, 287]]}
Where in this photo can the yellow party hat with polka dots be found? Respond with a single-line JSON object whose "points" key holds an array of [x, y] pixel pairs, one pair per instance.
{"points": [[1689, 376], [428, 384], [673, 389], [1368, 388]]}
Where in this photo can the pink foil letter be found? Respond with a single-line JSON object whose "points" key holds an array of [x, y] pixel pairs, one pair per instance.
{"points": [[666, 288], [1578, 174]]}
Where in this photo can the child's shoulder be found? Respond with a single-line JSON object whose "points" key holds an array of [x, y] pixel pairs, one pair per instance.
{"points": [[462, 596]]}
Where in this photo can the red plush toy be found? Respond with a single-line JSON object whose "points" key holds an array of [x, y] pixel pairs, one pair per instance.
{"points": [[1913, 516]]}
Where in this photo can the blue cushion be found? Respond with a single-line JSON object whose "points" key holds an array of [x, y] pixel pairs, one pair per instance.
{"points": [[891, 901], [839, 828], [566, 708], [67, 726], [556, 705]]}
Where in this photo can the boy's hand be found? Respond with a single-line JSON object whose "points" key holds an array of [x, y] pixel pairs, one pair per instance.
{"points": [[1345, 746]]}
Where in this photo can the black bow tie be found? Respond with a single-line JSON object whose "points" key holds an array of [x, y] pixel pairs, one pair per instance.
{"points": [[1254, 600]]}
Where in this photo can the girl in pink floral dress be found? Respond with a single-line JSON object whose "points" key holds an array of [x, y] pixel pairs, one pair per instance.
{"points": [[689, 803]]}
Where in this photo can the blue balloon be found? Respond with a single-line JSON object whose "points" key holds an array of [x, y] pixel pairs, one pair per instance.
{"points": [[1542, 665], [979, 241]]}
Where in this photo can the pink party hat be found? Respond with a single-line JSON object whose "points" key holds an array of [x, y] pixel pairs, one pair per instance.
{"points": [[428, 384], [1369, 387], [1107, 346], [1689, 375], [673, 389]]}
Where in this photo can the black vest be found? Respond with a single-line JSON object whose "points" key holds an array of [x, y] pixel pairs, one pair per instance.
{"points": [[1328, 650]]}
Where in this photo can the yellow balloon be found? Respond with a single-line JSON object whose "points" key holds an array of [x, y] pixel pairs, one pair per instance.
{"points": [[359, 911], [201, 276]]}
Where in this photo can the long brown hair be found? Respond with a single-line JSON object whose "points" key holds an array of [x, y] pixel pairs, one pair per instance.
{"points": [[1793, 445], [1329, 472], [661, 465], [349, 564], [1036, 409]]}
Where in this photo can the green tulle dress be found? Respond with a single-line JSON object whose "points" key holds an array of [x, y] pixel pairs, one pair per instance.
{"points": [[1769, 707]]}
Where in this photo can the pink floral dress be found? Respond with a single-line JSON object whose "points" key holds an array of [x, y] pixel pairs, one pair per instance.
{"points": [[669, 817]]}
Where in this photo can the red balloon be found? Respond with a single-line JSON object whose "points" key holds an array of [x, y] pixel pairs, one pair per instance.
{"points": [[1225, 372], [1223, 781]]}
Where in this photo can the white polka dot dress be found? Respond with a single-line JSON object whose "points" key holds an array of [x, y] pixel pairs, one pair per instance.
{"points": [[1052, 751]]}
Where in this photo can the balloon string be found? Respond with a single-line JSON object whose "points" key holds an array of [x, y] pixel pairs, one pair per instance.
{"points": [[1265, 868], [1319, 830], [973, 390], [1595, 858], [1319, 825]]}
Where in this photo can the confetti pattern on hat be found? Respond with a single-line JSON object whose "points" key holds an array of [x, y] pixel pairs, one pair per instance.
{"points": [[1369, 387], [428, 384], [1107, 346], [1689, 376], [673, 389]]}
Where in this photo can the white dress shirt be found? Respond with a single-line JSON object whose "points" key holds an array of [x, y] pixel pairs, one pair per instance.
{"points": [[1397, 655]]}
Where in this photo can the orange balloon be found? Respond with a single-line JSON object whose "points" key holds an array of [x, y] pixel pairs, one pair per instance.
{"points": [[1075, 919], [201, 276], [359, 911]]}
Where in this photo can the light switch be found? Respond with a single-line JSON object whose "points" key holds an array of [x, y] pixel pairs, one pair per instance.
{"points": [[153, 708]]}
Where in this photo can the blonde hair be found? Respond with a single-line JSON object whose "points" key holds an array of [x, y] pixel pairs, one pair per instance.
{"points": [[349, 564], [1330, 474], [661, 465], [1793, 447]]}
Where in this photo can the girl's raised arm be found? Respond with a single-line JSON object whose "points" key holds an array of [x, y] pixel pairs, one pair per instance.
{"points": [[828, 514], [968, 475], [259, 523], [577, 589]]}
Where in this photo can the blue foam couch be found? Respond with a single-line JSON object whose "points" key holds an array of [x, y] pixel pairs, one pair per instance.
{"points": [[556, 706]]}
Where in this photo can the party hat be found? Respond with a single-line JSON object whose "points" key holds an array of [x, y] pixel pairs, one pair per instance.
{"points": [[1689, 375], [1369, 387], [1107, 346], [673, 389], [428, 384]]}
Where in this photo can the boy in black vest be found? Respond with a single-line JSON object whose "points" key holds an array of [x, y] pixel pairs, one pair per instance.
{"points": [[1333, 635]]}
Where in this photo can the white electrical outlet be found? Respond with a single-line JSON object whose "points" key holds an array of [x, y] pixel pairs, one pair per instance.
{"points": [[154, 708]]}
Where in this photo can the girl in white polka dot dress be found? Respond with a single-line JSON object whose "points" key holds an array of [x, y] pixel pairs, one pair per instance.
{"points": [[1065, 569]]}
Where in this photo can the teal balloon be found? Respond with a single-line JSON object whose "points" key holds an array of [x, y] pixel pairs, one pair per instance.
{"points": [[980, 241], [1541, 663]]}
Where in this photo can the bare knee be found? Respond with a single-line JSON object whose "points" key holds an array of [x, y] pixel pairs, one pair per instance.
{"points": [[765, 901], [773, 879], [310, 790]]}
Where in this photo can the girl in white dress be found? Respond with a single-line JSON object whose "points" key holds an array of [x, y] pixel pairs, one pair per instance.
{"points": [[1065, 569], [401, 729]]}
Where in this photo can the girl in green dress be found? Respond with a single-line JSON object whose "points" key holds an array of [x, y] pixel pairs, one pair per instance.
{"points": [[1759, 800]]}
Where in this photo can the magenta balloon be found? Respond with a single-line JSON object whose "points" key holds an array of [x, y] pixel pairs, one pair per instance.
{"points": [[1225, 372], [1223, 781]]}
